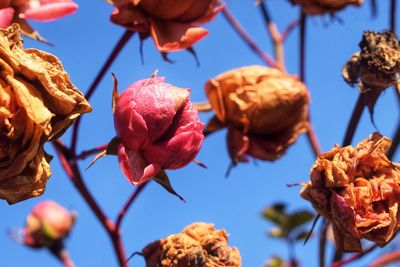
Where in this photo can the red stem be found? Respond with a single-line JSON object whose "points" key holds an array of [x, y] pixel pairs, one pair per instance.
{"points": [[86, 153], [355, 118], [354, 257], [127, 205], [395, 143], [386, 258], [115, 52], [72, 170], [66, 260], [240, 30], [392, 22]]}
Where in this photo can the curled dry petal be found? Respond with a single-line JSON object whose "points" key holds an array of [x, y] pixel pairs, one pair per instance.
{"points": [[173, 24], [48, 222], [199, 244], [158, 128], [357, 188], [38, 103], [264, 109], [319, 7]]}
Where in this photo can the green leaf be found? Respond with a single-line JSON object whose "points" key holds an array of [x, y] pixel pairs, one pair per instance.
{"points": [[276, 214], [162, 179], [278, 233], [299, 218]]}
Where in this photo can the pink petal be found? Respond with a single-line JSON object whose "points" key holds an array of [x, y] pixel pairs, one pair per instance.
{"points": [[176, 152], [135, 168], [171, 36], [6, 16], [51, 10]]}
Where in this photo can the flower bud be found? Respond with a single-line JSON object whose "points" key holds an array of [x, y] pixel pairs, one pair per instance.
{"points": [[199, 244], [357, 189], [319, 7], [264, 109], [38, 102], [172, 23], [158, 128], [47, 223]]}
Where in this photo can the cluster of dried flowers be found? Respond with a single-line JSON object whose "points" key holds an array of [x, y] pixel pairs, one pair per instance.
{"points": [[38, 104], [199, 244]]}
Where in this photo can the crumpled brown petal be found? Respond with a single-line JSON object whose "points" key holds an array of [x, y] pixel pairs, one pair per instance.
{"points": [[319, 7], [264, 109], [357, 189], [37, 104], [199, 244]]}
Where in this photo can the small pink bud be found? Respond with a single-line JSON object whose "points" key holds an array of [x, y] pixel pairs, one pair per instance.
{"points": [[48, 222], [158, 128]]}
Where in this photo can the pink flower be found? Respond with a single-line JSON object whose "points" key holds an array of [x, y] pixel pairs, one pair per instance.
{"points": [[158, 128], [48, 222], [173, 24], [18, 11]]}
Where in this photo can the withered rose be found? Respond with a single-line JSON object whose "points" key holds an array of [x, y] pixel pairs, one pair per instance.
{"points": [[198, 245], [37, 104], [263, 108], [319, 7], [357, 189], [173, 24]]}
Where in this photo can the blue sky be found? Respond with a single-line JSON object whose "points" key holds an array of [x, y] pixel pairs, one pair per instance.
{"points": [[84, 40]]}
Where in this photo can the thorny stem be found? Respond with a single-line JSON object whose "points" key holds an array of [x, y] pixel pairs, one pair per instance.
{"points": [[71, 168], [355, 118], [354, 257], [392, 23], [240, 30], [387, 258], [86, 153], [276, 37], [115, 52], [128, 204]]}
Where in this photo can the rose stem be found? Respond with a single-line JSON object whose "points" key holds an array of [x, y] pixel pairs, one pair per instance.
{"points": [[392, 16], [240, 30], [86, 153], [387, 258], [395, 143], [115, 52], [127, 205], [72, 170], [354, 257], [276, 37], [60, 252], [355, 118]]}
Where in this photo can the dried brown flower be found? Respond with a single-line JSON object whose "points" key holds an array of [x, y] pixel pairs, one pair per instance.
{"points": [[198, 245], [264, 109], [37, 104], [319, 7], [357, 189]]}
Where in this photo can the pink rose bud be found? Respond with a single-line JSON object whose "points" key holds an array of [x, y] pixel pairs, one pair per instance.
{"points": [[6, 17], [158, 128], [47, 223], [45, 10]]}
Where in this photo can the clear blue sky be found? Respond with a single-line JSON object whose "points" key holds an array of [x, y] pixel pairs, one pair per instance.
{"points": [[84, 40]]}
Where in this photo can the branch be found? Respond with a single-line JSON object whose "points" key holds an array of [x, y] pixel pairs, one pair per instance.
{"points": [[86, 153], [354, 120], [128, 204], [115, 52], [395, 143], [392, 16], [386, 259], [241, 31], [354, 257]]}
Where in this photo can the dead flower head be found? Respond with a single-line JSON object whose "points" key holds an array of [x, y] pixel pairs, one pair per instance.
{"points": [[37, 104], [319, 7], [263, 108], [198, 245], [357, 189]]}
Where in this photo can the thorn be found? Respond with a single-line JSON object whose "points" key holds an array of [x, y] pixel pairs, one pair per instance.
{"points": [[200, 163], [312, 229], [193, 52], [230, 167], [154, 74], [134, 254], [165, 57]]}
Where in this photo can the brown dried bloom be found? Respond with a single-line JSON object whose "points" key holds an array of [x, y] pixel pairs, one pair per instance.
{"points": [[37, 104], [264, 109], [376, 67], [319, 7], [198, 245], [357, 189]]}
